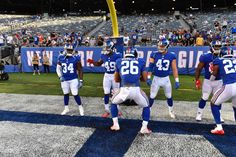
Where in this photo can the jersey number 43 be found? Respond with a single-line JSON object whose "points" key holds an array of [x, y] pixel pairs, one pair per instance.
{"points": [[160, 64]]}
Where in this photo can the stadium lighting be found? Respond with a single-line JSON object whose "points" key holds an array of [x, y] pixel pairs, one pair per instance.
{"points": [[214, 5], [190, 7], [173, 8], [133, 2], [152, 9], [173, 0], [234, 3]]}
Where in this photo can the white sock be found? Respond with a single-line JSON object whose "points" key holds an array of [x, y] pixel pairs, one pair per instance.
{"points": [[144, 124], [170, 108], [199, 110], [66, 107], [219, 127], [115, 121], [107, 107]]}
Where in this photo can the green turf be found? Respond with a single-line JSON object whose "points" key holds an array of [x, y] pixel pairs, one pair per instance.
{"points": [[48, 84]]}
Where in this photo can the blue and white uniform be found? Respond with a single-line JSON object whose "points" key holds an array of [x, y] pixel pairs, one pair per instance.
{"points": [[130, 71], [69, 73], [161, 71], [227, 70], [208, 86], [109, 64]]}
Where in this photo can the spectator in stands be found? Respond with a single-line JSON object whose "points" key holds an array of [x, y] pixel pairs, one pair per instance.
{"points": [[134, 38], [79, 38], [224, 24], [126, 39], [46, 63], [200, 41], [100, 41], [35, 61]]}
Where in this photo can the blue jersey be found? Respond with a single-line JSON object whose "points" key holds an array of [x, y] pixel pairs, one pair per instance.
{"points": [[227, 69], [130, 70], [110, 62], [162, 63], [207, 59], [69, 66]]}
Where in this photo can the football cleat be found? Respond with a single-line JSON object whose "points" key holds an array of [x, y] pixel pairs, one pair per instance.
{"points": [[199, 117], [217, 131], [145, 130], [172, 114], [115, 127], [65, 111], [81, 110], [106, 114]]}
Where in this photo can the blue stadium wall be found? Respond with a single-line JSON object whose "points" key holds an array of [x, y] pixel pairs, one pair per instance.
{"points": [[187, 57]]}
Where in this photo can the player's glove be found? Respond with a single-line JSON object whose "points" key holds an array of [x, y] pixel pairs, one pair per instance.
{"points": [[62, 79], [80, 83], [198, 84], [177, 85], [149, 82], [90, 61]]}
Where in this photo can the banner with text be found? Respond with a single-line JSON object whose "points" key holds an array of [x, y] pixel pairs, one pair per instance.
{"points": [[187, 57]]}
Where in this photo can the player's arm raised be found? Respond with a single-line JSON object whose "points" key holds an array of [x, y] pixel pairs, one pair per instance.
{"points": [[175, 73], [197, 75]]}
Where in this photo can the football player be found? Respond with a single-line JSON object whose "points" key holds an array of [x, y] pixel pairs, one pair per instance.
{"points": [[226, 67], [108, 58], [129, 71], [68, 69], [160, 63], [208, 87]]}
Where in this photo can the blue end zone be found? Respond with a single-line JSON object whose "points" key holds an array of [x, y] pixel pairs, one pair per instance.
{"points": [[106, 143]]}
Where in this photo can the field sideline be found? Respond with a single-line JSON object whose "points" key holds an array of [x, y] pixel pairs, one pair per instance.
{"points": [[48, 84]]}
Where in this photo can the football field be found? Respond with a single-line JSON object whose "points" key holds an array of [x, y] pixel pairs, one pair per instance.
{"points": [[49, 84], [31, 124]]}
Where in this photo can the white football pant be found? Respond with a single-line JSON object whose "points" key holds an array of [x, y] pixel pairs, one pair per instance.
{"points": [[224, 94], [209, 87], [130, 93], [71, 85], [163, 82], [109, 83]]}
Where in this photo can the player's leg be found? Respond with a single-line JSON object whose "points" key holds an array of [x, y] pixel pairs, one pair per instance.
{"points": [[206, 91], [37, 66], [234, 106], [118, 97], [154, 90], [141, 99], [217, 85], [106, 88], [168, 93], [115, 87], [220, 96], [34, 66], [74, 90], [114, 114], [66, 90]]}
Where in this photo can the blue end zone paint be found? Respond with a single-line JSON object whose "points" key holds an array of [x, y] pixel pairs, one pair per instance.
{"points": [[106, 143]]}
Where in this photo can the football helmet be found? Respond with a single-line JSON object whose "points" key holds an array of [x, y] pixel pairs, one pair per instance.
{"points": [[226, 52], [69, 50], [162, 45], [109, 47], [133, 52], [216, 47]]}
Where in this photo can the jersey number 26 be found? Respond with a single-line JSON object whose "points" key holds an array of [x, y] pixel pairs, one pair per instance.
{"points": [[129, 67]]}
